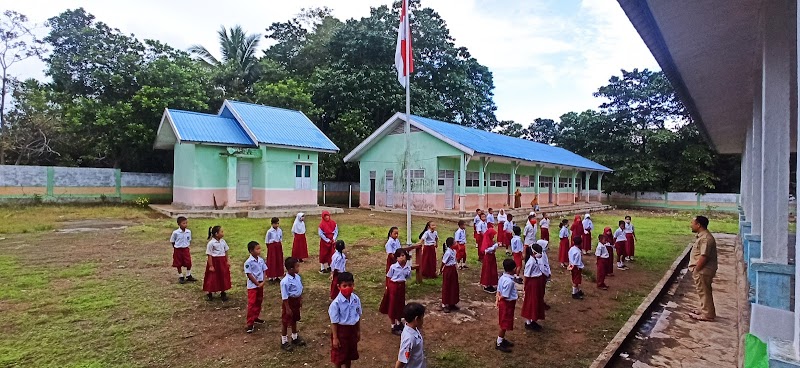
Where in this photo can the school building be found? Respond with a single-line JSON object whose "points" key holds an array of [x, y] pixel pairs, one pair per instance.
{"points": [[456, 168], [246, 155], [734, 64]]}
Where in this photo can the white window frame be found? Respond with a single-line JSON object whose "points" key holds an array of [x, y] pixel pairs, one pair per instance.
{"points": [[302, 182]]}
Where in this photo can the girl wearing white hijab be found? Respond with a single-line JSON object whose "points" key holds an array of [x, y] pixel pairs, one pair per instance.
{"points": [[299, 245]]}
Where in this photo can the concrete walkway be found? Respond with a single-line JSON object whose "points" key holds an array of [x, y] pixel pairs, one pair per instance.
{"points": [[671, 338]]}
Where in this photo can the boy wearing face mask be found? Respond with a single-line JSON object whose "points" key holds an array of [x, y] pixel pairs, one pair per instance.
{"points": [[345, 314]]}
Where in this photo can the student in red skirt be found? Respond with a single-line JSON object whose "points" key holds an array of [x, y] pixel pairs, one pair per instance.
{"points": [[475, 222], [602, 261], [575, 267], [502, 218], [181, 257], [392, 245], [563, 243], [345, 314], [545, 226], [461, 244], [328, 232], [482, 228], [544, 266], [516, 251], [577, 230], [338, 265], [506, 303], [530, 230], [489, 263], [292, 296], [449, 274], [620, 243], [588, 226], [218, 272], [256, 271], [610, 247], [299, 243], [508, 233], [275, 260], [428, 239], [630, 238], [394, 298], [533, 305]]}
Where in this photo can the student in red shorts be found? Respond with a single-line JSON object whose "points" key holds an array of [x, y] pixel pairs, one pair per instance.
{"points": [[506, 303], [575, 266], [256, 271], [292, 295], [345, 314]]}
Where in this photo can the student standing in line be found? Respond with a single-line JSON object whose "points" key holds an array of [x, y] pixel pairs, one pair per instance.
{"points": [[506, 303], [516, 251], [501, 221], [181, 256], [508, 230], [460, 238], [428, 241], [412, 351], [292, 296], [575, 267], [563, 244], [630, 238], [620, 241], [475, 222], [218, 272], [394, 297], [482, 229], [256, 271], [328, 232], [275, 260], [602, 261], [545, 225], [489, 264], [530, 229], [544, 265], [588, 226], [577, 229], [345, 314], [535, 282], [338, 265], [450, 289], [610, 247], [490, 217], [299, 242]]}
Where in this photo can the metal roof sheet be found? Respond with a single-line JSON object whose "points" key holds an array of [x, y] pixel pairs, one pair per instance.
{"points": [[496, 144], [207, 128], [272, 125]]}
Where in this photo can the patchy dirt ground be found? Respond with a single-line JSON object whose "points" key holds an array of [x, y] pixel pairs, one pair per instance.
{"points": [[182, 329]]}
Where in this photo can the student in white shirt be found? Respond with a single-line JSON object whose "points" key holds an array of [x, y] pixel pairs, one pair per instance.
{"points": [[460, 237], [533, 307], [620, 244], [506, 303], [428, 240], [602, 260], [274, 258], [450, 289], [508, 232], [256, 270], [588, 226], [181, 256], [516, 251], [630, 238], [563, 243], [338, 265], [412, 351], [292, 296], [545, 225], [218, 272], [394, 297], [475, 222], [575, 267], [345, 314], [490, 217], [530, 230], [481, 228]]}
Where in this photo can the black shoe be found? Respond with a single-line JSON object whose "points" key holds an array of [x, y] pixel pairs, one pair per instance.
{"points": [[190, 278], [250, 329], [328, 270], [533, 326], [577, 296], [209, 297], [181, 280], [260, 321], [446, 309], [518, 280], [490, 289], [286, 346], [321, 272], [580, 292], [299, 341], [223, 296], [502, 348], [397, 330], [507, 343], [454, 307]]}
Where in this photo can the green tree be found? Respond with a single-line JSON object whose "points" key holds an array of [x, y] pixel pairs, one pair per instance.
{"points": [[35, 127], [238, 70], [543, 131]]}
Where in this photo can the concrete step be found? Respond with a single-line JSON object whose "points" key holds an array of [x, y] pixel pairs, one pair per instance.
{"points": [[244, 212]]}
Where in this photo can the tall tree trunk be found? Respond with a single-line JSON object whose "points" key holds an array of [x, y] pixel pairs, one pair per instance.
{"points": [[3, 120]]}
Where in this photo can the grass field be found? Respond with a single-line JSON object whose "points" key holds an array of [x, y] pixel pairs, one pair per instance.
{"points": [[79, 290]]}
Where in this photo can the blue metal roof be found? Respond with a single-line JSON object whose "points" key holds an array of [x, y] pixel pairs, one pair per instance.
{"points": [[272, 125], [502, 145], [207, 128]]}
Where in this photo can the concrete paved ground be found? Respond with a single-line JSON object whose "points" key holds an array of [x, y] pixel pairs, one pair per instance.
{"points": [[671, 338]]}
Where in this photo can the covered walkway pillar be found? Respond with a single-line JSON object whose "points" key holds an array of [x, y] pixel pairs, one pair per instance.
{"points": [[574, 186], [557, 184], [482, 183], [600, 186], [462, 183]]}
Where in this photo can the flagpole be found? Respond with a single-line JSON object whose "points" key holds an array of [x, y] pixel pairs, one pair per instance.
{"points": [[407, 64]]}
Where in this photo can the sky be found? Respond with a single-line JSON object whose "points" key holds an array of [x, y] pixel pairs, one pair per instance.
{"points": [[547, 56]]}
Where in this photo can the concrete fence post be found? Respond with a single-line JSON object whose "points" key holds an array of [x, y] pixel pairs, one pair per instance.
{"points": [[118, 183], [350, 196], [51, 173], [323, 193]]}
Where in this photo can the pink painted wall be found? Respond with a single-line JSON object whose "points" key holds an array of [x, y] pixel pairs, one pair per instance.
{"points": [[183, 197], [284, 197]]}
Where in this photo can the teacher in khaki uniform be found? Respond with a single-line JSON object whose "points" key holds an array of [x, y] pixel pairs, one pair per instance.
{"points": [[703, 264]]}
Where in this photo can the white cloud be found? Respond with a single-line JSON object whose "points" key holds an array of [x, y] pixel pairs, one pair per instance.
{"points": [[547, 56]]}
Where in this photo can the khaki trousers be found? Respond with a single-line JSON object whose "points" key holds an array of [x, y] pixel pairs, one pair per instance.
{"points": [[702, 283]]}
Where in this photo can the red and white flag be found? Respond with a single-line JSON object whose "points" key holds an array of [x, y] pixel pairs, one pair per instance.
{"points": [[403, 50]]}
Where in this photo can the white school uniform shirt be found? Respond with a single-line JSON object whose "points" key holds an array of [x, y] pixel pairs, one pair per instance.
{"points": [[490, 218], [530, 233], [502, 218], [482, 227], [508, 227], [291, 286], [575, 257], [563, 233], [449, 257], [532, 267], [412, 352], [398, 273], [492, 248], [476, 220], [619, 235], [255, 266], [325, 238], [345, 312], [544, 262], [338, 261], [274, 236], [545, 223], [516, 244], [587, 225], [460, 236], [429, 238], [392, 245], [602, 251], [506, 287], [629, 228], [181, 239], [217, 248]]}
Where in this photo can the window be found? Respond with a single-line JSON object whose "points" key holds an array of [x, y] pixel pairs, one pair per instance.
{"points": [[473, 179], [417, 179], [545, 181], [445, 174], [565, 182], [499, 180], [302, 176]]}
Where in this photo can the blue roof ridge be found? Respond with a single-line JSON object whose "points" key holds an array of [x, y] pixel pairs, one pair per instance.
{"points": [[195, 113], [264, 106]]}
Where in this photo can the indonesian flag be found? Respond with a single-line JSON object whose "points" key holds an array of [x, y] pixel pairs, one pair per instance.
{"points": [[403, 42]]}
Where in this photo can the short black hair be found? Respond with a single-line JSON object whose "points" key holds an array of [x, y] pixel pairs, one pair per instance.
{"points": [[344, 277], [461, 222], [275, 220], [509, 265], [181, 219], [577, 240], [622, 222], [702, 220], [510, 217], [399, 252], [290, 262], [517, 230], [339, 245], [412, 311], [628, 216], [251, 245], [537, 248]]}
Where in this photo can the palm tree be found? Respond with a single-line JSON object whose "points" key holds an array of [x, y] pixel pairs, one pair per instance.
{"points": [[238, 55]]}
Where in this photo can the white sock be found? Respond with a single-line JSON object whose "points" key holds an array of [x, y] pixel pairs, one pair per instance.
{"points": [[188, 273], [284, 339], [180, 274], [294, 335], [499, 340], [574, 290], [528, 321], [322, 267]]}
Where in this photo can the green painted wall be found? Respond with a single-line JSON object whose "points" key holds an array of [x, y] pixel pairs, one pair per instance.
{"points": [[277, 168], [200, 166]]}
